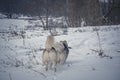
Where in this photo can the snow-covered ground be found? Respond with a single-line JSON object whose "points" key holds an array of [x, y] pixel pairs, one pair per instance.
{"points": [[20, 59]]}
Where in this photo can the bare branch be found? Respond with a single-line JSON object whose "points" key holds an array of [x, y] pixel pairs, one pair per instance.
{"points": [[10, 76]]}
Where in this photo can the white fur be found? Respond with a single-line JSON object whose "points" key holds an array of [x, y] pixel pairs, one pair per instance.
{"points": [[49, 58], [59, 46], [49, 42], [62, 53], [45, 58]]}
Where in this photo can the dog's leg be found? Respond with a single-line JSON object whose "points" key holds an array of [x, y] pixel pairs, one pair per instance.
{"points": [[54, 65], [46, 66], [58, 57], [51, 65]]}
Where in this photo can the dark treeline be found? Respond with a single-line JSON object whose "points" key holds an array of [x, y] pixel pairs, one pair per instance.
{"points": [[93, 12], [111, 11], [32, 7]]}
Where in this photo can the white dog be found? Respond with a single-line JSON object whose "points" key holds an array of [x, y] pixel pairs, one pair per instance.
{"points": [[49, 58]]}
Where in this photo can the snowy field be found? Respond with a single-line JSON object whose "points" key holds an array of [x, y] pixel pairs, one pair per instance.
{"points": [[21, 50]]}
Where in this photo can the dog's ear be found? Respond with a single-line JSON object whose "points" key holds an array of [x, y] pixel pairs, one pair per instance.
{"points": [[61, 41], [65, 41]]}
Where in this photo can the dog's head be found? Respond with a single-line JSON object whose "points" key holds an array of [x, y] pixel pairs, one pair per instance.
{"points": [[64, 43]]}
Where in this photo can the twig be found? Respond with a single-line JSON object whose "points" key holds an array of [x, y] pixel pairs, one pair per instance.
{"points": [[10, 76], [99, 40], [39, 73], [118, 51], [100, 53], [94, 50], [12, 49], [69, 47], [36, 71]]}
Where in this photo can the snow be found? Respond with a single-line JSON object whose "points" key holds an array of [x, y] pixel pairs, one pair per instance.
{"points": [[20, 61]]}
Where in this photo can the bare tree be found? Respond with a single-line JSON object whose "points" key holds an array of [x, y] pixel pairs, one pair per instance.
{"points": [[47, 13]]}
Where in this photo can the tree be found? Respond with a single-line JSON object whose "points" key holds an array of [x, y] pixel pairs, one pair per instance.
{"points": [[89, 10], [8, 7], [94, 13]]}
